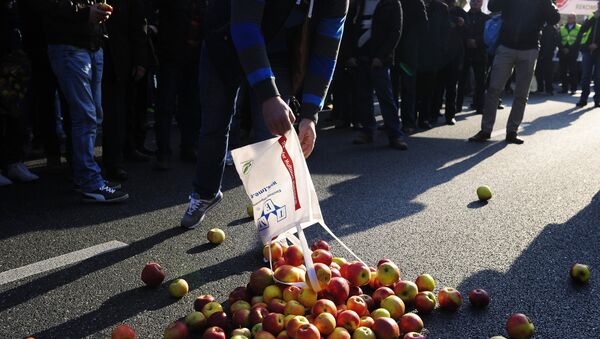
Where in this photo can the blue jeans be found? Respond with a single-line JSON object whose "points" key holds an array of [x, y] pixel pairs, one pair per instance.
{"points": [[590, 68], [378, 79], [79, 75]]}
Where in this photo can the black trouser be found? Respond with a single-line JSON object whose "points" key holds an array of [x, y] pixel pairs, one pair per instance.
{"points": [[447, 81], [568, 70], [343, 103], [544, 73], [137, 114], [479, 67], [115, 104], [425, 96], [12, 139], [405, 86]]}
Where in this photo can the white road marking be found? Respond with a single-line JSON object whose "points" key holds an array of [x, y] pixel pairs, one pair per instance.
{"points": [[59, 261]]}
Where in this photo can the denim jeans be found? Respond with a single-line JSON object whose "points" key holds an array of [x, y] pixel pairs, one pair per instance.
{"points": [[79, 75], [590, 69], [378, 79]]}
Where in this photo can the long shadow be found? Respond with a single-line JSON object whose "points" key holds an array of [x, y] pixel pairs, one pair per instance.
{"points": [[538, 284], [554, 122]]}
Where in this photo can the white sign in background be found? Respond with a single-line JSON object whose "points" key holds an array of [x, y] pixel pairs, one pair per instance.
{"points": [[578, 7]]}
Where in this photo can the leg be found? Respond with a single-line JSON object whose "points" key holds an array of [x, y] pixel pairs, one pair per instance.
{"points": [[462, 84], [524, 68], [188, 109], [564, 71], [451, 83], [596, 62], [114, 125], [364, 97], [573, 71], [380, 78], [586, 76], [409, 99], [549, 75], [395, 78], [501, 72], [479, 73], [168, 75]]}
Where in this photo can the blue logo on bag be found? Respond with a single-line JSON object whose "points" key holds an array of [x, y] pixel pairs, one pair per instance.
{"points": [[491, 35], [271, 209]]}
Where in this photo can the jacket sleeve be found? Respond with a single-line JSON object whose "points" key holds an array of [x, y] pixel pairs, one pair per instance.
{"points": [[584, 28], [325, 47], [137, 34], [496, 5], [66, 10], [249, 42], [394, 25], [551, 13]]}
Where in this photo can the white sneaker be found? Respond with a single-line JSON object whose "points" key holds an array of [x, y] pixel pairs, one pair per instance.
{"points": [[20, 172], [4, 181], [229, 159]]}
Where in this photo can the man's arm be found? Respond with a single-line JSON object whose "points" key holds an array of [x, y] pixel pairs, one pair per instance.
{"points": [[552, 15], [66, 10], [394, 31], [138, 38]]}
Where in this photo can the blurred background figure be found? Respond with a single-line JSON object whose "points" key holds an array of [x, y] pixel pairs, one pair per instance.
{"points": [[544, 71], [568, 54]]}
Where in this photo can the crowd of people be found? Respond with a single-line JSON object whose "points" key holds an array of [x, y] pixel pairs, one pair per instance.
{"points": [[76, 70]]}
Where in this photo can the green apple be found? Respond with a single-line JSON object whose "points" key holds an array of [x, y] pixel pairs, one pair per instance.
{"points": [[484, 193], [580, 273], [178, 288], [216, 236]]}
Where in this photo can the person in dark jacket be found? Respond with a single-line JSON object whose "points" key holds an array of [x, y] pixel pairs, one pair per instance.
{"points": [[432, 48], [125, 62], [285, 48], [588, 42], [519, 47], [74, 31], [376, 34], [475, 58], [544, 71], [404, 70], [447, 77]]}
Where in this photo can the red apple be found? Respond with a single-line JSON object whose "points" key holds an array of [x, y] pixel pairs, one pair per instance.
{"points": [[239, 293], [214, 333], [386, 328], [479, 298], [449, 298], [363, 333], [324, 305], [323, 273], [201, 301], [152, 274], [176, 330], [410, 322], [294, 324], [294, 255], [260, 279], [276, 305], [339, 333], [339, 289], [273, 323], [320, 244], [294, 307], [325, 323], [383, 261], [355, 291], [367, 321], [307, 297], [380, 294], [218, 319], [241, 318], [282, 335], [519, 326], [276, 251], [425, 302], [414, 335], [322, 256], [425, 282], [122, 332], [358, 305], [308, 331], [406, 290], [195, 321], [358, 274], [394, 305], [349, 320], [370, 303], [289, 274], [264, 335], [258, 314], [291, 293]]}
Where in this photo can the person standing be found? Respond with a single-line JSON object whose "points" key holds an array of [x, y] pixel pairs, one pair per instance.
{"points": [[568, 54], [74, 31], [588, 41], [544, 71], [377, 35], [475, 58], [519, 44]]}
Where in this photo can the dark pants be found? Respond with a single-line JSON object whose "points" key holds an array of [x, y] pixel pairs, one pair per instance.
{"points": [[407, 93], [544, 73], [343, 103], [447, 81], [590, 70], [12, 139], [568, 70], [425, 96], [115, 96], [378, 79], [138, 114], [178, 96], [479, 72]]}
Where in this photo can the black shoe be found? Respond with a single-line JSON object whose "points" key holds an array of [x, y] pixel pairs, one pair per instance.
{"points": [[163, 163], [425, 125], [572, 92], [596, 104], [500, 106], [114, 185], [481, 136], [117, 174], [451, 122], [363, 139], [512, 138], [137, 156], [581, 103], [399, 144], [105, 194], [188, 155]]}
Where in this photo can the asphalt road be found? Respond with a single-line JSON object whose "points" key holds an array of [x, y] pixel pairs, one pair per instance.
{"points": [[417, 208]]}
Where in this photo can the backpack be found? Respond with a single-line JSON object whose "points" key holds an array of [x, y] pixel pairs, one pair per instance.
{"points": [[491, 34]]}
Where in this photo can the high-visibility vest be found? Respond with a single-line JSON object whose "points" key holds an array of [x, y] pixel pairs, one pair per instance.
{"points": [[586, 35], [568, 37]]}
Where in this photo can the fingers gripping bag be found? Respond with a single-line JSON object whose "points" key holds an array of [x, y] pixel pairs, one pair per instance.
{"points": [[277, 181]]}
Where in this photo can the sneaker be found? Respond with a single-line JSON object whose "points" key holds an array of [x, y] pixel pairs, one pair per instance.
{"points": [[197, 209], [114, 185], [105, 194], [512, 138], [581, 103], [481, 136], [4, 181], [20, 172], [228, 159]]}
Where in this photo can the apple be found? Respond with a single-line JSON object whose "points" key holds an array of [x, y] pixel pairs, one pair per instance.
{"points": [[388, 274], [242, 332], [348, 320], [425, 302], [278, 263], [358, 305], [276, 251], [250, 211], [366, 321], [410, 322], [339, 333], [214, 333], [374, 281], [335, 272], [414, 335], [322, 256], [363, 333], [355, 291], [291, 293], [264, 335], [272, 292], [276, 305], [394, 305], [273, 323], [241, 318], [294, 307], [257, 299], [425, 282], [484, 193], [380, 313], [294, 255], [324, 305], [386, 328], [202, 300], [260, 279], [307, 297], [580, 273], [383, 261], [294, 324], [406, 290], [152, 274], [239, 293], [449, 298], [240, 305], [218, 319], [479, 298], [358, 274], [283, 335], [370, 303], [122, 332], [257, 315], [176, 330], [519, 326], [380, 294], [239, 337], [340, 261], [323, 273], [289, 274], [178, 288], [195, 320], [215, 236], [325, 323], [255, 329], [211, 308], [307, 331], [339, 289], [320, 245]]}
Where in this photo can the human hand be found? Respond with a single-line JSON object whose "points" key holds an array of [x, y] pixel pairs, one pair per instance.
{"points": [[98, 15], [307, 136], [278, 115]]}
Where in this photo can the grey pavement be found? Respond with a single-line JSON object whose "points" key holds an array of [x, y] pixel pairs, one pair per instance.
{"points": [[417, 208]]}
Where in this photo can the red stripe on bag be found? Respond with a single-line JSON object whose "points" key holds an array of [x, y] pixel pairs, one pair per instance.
{"points": [[289, 164]]}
